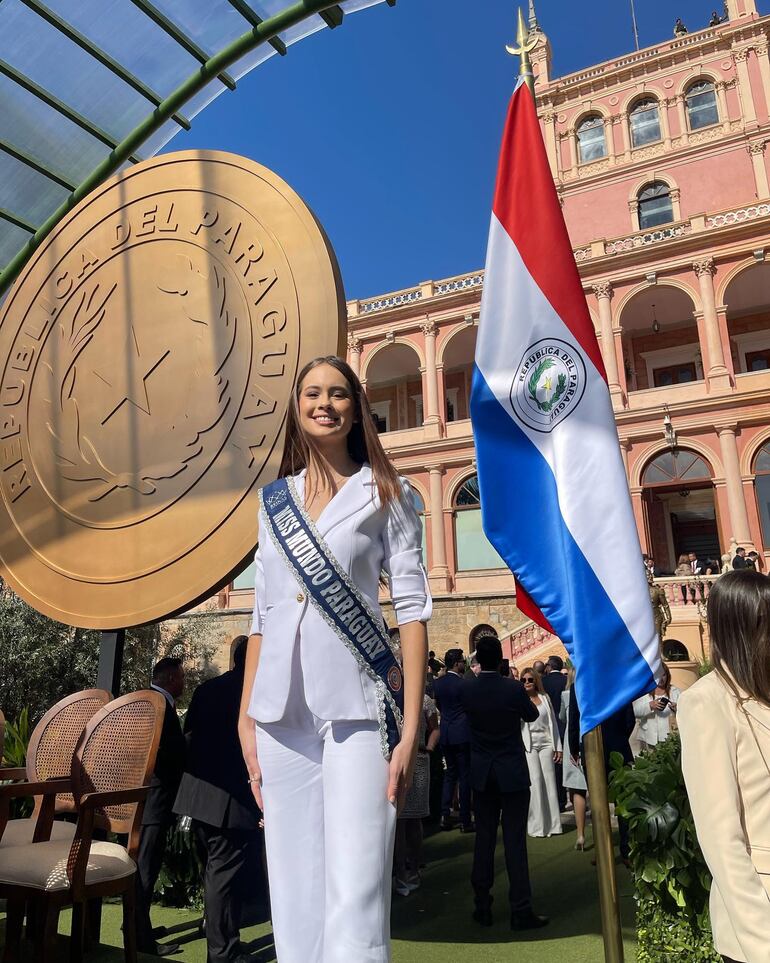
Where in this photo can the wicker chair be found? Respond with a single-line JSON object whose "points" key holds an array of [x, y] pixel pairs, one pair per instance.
{"points": [[49, 756], [108, 781]]}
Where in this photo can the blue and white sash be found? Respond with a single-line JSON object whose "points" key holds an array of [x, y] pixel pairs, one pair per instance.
{"points": [[338, 601]]}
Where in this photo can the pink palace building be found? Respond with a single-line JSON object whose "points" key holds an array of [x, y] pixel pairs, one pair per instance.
{"points": [[660, 158]]}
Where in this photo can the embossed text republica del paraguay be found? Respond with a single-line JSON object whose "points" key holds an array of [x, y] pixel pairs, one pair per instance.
{"points": [[148, 352]]}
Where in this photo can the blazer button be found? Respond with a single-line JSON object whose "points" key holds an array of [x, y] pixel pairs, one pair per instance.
{"points": [[300, 597]]}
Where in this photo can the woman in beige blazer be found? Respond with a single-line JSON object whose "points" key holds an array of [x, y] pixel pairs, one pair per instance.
{"points": [[724, 720]]}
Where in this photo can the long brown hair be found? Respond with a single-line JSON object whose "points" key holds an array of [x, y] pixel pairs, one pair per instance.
{"points": [[300, 451], [739, 626]]}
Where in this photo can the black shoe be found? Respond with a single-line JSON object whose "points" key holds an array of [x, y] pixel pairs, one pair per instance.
{"points": [[446, 823], [483, 915], [469, 828], [528, 920], [161, 949]]}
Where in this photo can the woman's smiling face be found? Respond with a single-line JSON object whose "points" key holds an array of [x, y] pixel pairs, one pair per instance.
{"points": [[327, 409]]}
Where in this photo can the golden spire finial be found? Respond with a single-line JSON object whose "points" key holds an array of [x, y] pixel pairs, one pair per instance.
{"points": [[524, 43]]}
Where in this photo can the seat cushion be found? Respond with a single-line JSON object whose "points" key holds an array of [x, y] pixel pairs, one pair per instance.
{"points": [[19, 832], [43, 866]]}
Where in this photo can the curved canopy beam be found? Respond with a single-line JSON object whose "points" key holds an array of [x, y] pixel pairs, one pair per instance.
{"points": [[276, 30]]}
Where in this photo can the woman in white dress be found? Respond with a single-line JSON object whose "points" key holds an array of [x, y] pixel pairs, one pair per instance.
{"points": [[328, 762], [573, 777], [656, 711], [543, 748]]}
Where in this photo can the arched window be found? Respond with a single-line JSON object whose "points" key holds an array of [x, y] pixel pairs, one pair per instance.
{"points": [[473, 550], [645, 122], [675, 651], [701, 100], [762, 489], [590, 137], [655, 206], [671, 467]]}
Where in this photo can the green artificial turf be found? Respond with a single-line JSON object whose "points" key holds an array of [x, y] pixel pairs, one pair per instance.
{"points": [[433, 924]]}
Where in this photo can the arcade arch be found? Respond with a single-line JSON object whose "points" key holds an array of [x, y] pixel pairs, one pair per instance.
{"points": [[762, 490], [660, 338], [680, 513], [457, 355], [394, 386], [747, 300]]}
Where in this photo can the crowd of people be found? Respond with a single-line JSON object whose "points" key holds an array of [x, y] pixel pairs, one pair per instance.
{"points": [[339, 750]]}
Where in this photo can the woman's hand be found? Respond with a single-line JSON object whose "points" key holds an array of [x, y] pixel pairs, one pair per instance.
{"points": [[557, 757], [402, 762], [247, 732]]}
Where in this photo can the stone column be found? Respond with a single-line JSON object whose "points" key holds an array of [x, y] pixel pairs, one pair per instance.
{"points": [[609, 136], [717, 374], [439, 568], [761, 51], [741, 58], [724, 113], [757, 153], [739, 516], [573, 151], [430, 400], [549, 123], [603, 292], [664, 124], [681, 108], [354, 354]]}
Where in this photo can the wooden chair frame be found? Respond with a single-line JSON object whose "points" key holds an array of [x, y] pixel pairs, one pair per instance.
{"points": [[30, 771], [92, 813]]}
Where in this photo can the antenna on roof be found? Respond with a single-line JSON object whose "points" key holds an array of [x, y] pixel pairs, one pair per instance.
{"points": [[633, 21]]}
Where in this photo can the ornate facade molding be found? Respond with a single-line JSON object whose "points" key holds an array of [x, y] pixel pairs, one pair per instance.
{"points": [[429, 329], [758, 147], [705, 265], [354, 344], [603, 289]]}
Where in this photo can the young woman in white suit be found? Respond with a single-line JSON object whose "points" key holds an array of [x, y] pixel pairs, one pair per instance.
{"points": [[310, 715], [542, 744], [724, 722]]}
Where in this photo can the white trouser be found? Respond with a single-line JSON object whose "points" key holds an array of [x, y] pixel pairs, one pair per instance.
{"points": [[329, 832], [544, 818]]}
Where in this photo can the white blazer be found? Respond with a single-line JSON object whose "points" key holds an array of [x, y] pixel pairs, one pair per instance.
{"points": [[552, 728], [725, 758], [365, 540], [654, 724]]}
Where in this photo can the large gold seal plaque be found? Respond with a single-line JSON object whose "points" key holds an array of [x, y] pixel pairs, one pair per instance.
{"points": [[148, 353]]}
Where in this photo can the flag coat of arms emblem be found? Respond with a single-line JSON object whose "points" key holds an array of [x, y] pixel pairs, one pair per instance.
{"points": [[554, 495]]}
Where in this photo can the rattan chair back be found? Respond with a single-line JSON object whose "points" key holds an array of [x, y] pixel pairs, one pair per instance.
{"points": [[118, 751], [55, 738]]}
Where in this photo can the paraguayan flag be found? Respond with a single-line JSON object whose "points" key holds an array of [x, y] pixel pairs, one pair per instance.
{"points": [[554, 496]]}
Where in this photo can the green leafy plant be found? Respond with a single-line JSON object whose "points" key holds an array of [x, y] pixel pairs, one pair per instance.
{"points": [[180, 882], [15, 755], [671, 878]]}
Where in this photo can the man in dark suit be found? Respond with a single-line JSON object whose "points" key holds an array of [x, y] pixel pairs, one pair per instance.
{"points": [[158, 816], [740, 561], [455, 740], [554, 683], [500, 778], [215, 792]]}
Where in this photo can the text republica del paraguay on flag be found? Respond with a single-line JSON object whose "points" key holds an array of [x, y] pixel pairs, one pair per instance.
{"points": [[554, 496]]}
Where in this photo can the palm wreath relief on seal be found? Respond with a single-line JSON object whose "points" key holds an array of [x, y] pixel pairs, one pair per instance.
{"points": [[200, 323], [534, 383]]}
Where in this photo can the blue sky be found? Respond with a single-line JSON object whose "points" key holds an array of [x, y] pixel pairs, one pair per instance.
{"points": [[389, 126]]}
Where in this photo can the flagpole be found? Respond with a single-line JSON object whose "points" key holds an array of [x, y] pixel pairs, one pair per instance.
{"points": [[523, 46], [605, 854], [593, 744]]}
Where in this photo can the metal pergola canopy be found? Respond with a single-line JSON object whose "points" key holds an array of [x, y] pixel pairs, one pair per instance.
{"points": [[87, 86]]}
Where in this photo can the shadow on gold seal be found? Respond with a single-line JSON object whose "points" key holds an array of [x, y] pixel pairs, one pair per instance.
{"points": [[148, 353]]}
